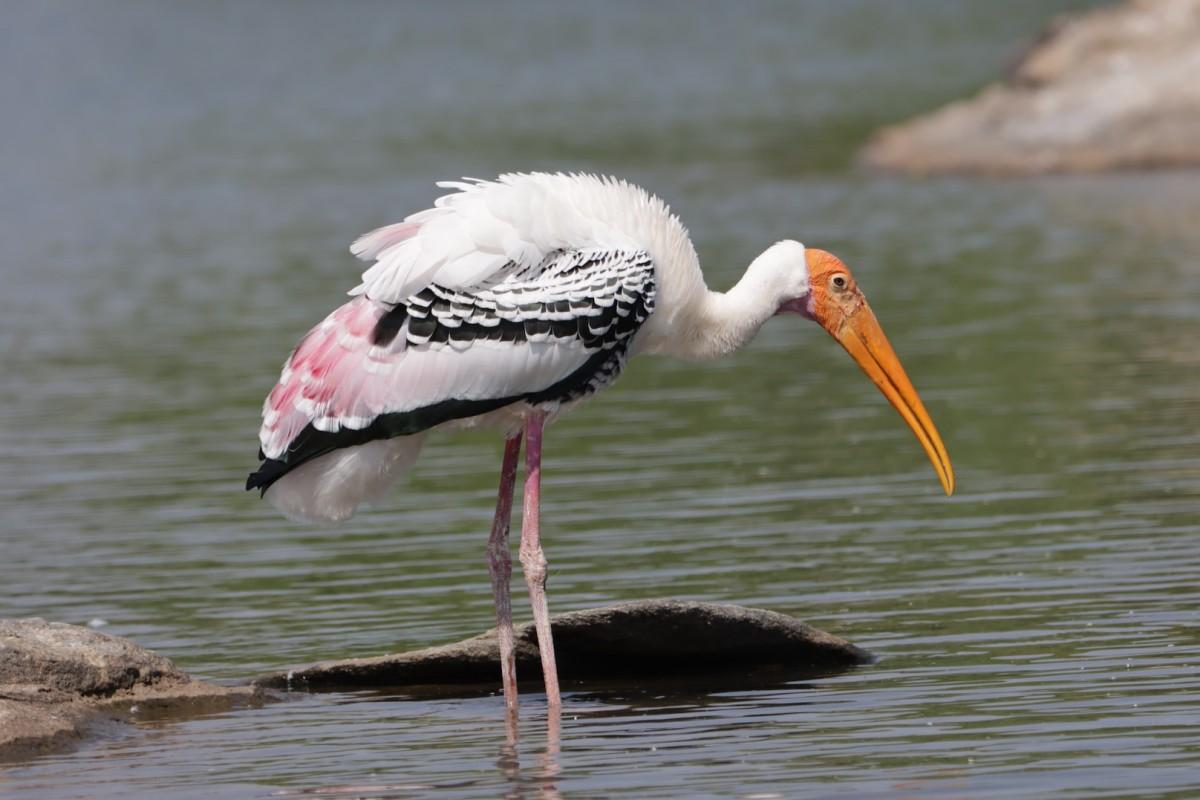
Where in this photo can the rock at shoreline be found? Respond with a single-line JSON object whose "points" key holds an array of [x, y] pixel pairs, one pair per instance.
{"points": [[60, 682], [1114, 88], [648, 640]]}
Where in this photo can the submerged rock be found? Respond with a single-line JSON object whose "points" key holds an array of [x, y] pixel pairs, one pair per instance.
{"points": [[60, 682], [650, 639], [1112, 88]]}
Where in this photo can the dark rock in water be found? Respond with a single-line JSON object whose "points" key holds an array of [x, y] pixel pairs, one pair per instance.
{"points": [[60, 682], [652, 639]]}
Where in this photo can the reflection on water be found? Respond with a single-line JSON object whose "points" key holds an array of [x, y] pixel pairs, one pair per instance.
{"points": [[181, 191]]}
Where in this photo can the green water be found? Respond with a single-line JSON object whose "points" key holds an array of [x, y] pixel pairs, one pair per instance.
{"points": [[180, 185]]}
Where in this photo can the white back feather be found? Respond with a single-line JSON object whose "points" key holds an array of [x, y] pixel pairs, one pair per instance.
{"points": [[481, 226]]}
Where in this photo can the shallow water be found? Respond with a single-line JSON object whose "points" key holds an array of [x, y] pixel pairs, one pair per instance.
{"points": [[181, 184]]}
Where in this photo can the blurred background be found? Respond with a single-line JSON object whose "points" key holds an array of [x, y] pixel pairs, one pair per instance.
{"points": [[180, 185]]}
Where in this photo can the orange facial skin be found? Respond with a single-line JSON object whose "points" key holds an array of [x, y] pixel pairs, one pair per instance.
{"points": [[837, 304]]}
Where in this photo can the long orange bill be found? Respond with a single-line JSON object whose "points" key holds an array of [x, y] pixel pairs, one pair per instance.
{"points": [[864, 340]]}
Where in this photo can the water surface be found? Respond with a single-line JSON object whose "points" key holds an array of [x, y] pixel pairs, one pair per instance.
{"points": [[180, 186]]}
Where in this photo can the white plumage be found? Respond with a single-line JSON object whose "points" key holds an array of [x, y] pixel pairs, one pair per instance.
{"points": [[511, 249], [331, 488], [481, 226]]}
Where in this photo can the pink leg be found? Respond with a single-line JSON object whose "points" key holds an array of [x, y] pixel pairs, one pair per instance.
{"points": [[500, 568], [533, 561]]}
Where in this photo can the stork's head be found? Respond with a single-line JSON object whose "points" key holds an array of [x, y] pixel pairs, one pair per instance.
{"points": [[834, 301]]}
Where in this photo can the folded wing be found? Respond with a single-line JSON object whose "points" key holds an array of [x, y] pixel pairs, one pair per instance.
{"points": [[540, 332]]}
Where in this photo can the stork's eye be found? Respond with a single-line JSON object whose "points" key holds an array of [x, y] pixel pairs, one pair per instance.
{"points": [[839, 281]]}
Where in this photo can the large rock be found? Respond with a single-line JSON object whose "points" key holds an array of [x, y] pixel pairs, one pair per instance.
{"points": [[60, 682], [648, 639], [1113, 88]]}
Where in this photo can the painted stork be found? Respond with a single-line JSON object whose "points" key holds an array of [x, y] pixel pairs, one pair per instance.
{"points": [[507, 303]]}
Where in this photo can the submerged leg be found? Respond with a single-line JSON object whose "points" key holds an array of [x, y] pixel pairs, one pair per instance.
{"points": [[500, 568], [533, 561]]}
